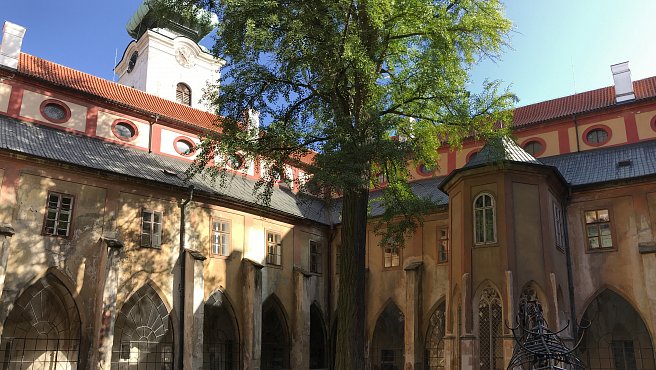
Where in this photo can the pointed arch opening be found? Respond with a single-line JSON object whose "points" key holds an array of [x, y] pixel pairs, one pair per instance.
{"points": [[388, 340], [490, 332], [434, 356], [617, 338], [42, 330], [275, 336], [143, 333], [220, 334], [317, 339]]}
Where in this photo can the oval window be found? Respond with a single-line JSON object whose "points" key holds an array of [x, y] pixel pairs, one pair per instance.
{"points": [[425, 170], [534, 147], [597, 136], [124, 130], [55, 111], [184, 146]]}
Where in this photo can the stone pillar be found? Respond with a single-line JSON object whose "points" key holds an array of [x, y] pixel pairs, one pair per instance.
{"points": [[194, 310], [300, 350], [105, 340], [510, 309], [6, 232], [468, 339], [252, 333], [413, 340]]}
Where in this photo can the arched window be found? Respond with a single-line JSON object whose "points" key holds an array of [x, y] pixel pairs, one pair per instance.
{"points": [[484, 219], [489, 330], [183, 94], [434, 356]]}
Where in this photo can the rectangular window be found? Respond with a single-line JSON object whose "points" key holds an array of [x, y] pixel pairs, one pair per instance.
{"points": [[443, 245], [559, 226], [151, 229], [391, 257], [597, 228], [274, 249], [221, 238], [315, 257], [58, 214]]}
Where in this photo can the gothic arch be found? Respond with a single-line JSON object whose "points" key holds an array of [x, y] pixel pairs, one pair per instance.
{"points": [[388, 341], [318, 338], [143, 333], [532, 291], [489, 327], [275, 335], [434, 355], [43, 328], [220, 333], [617, 337]]}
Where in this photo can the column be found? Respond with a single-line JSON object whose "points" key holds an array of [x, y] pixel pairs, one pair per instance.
{"points": [[194, 310], [300, 350], [252, 333], [6, 232], [468, 339], [510, 310], [413, 340], [105, 340]]}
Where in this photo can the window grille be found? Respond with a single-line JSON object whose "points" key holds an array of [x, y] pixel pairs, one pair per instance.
{"points": [[58, 214], [490, 331], [315, 257], [274, 249], [484, 219], [434, 358], [559, 226], [221, 238], [183, 94], [151, 229]]}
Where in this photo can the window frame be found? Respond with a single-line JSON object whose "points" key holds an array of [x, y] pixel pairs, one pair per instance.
{"points": [[179, 89], [611, 228], [442, 241], [399, 255], [318, 254], [535, 140], [560, 239], [493, 207], [192, 146], [278, 247], [224, 251], [61, 104], [151, 232], [132, 125], [57, 213], [609, 135]]}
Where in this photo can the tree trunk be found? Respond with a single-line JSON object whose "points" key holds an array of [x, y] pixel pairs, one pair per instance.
{"points": [[349, 354]]}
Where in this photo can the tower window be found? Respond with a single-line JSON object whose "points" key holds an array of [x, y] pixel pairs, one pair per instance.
{"points": [[484, 220], [183, 94]]}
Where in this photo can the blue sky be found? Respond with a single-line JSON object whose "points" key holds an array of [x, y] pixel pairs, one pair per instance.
{"points": [[557, 48]]}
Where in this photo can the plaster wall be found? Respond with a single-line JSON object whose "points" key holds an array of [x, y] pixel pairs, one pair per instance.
{"points": [[167, 140], [5, 93], [104, 128], [643, 123], [30, 108]]}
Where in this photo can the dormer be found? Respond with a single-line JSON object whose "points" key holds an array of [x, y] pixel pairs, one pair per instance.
{"points": [[166, 59]]}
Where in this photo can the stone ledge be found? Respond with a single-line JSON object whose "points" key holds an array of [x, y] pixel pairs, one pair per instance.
{"points": [[645, 248], [7, 230]]}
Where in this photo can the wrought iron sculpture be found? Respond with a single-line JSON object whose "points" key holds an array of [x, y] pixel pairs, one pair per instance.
{"points": [[536, 346]]}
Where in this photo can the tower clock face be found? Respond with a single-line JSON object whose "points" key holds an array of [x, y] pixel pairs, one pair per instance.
{"points": [[185, 56]]}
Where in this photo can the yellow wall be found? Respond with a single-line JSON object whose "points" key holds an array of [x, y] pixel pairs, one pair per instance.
{"points": [[30, 108], [643, 121]]}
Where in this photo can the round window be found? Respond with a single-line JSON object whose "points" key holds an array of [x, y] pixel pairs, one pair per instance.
{"points": [[184, 147], [534, 147], [425, 170], [597, 136], [125, 130], [55, 111], [235, 161]]}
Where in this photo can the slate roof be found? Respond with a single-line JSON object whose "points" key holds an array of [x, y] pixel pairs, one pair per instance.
{"points": [[49, 143], [501, 149], [603, 165], [523, 116]]}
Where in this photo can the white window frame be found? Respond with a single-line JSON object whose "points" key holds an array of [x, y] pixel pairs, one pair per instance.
{"points": [[221, 238], [273, 248], [316, 257], [484, 208], [151, 228]]}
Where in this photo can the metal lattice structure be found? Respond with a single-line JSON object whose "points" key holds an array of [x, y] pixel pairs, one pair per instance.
{"points": [[434, 358], [489, 330], [536, 346]]}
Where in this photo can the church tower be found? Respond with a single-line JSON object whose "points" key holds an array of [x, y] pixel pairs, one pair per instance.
{"points": [[166, 59]]}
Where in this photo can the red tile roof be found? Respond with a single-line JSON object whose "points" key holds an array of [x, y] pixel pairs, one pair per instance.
{"points": [[121, 94], [523, 116], [578, 103]]}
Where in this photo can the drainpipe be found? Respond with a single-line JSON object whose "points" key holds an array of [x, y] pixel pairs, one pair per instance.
{"points": [[576, 127], [150, 134], [181, 261], [570, 274]]}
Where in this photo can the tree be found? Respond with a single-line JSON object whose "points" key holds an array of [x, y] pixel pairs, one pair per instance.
{"points": [[361, 86]]}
